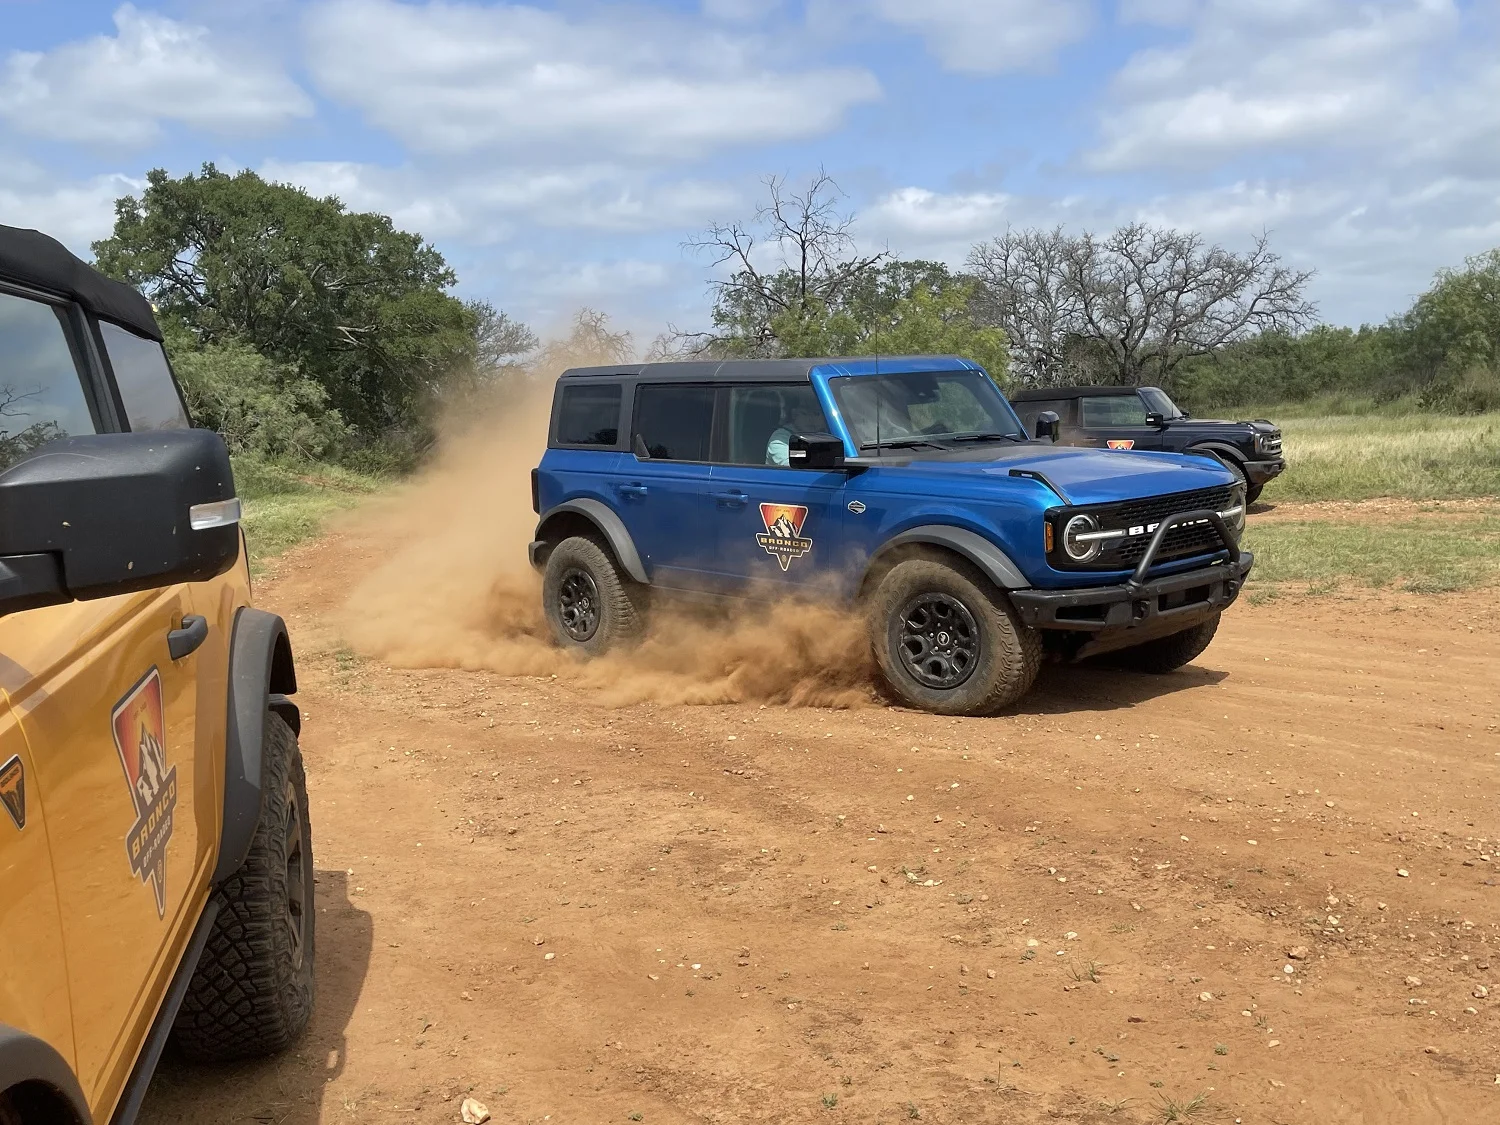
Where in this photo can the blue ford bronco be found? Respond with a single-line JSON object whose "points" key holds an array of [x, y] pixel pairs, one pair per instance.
{"points": [[904, 485]]}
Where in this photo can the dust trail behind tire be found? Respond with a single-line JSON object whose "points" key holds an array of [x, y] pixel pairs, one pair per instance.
{"points": [[449, 586]]}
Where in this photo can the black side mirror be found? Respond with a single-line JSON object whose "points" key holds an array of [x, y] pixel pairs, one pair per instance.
{"points": [[89, 517], [1156, 421], [815, 451], [1048, 426]]}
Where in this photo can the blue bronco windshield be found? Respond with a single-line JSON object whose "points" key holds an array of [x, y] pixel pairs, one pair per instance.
{"points": [[936, 408]]}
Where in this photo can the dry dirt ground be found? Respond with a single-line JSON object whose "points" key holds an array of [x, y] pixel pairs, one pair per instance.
{"points": [[1263, 889]]}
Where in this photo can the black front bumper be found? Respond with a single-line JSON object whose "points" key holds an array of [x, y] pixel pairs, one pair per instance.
{"points": [[1141, 609], [1258, 472]]}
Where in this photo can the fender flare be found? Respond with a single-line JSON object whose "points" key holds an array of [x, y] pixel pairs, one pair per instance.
{"points": [[610, 526], [26, 1059], [1220, 450], [995, 563], [261, 676]]}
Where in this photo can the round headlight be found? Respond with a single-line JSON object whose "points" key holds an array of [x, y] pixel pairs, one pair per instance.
{"points": [[1076, 550]]}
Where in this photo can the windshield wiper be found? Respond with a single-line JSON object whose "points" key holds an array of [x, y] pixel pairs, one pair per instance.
{"points": [[991, 436], [901, 443]]}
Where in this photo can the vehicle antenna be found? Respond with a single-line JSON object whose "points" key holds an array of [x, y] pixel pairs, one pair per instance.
{"points": [[879, 451]]}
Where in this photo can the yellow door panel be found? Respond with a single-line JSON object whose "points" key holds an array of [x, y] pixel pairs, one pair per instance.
{"points": [[112, 721], [33, 974]]}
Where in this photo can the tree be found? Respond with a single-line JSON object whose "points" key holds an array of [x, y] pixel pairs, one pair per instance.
{"points": [[589, 343], [1455, 325], [1131, 307], [345, 298], [797, 260]]}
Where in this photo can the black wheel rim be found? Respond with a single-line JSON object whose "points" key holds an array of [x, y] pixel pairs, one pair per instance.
{"points": [[578, 603], [298, 859], [937, 640]]}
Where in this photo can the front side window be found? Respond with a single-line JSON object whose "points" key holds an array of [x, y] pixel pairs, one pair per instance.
{"points": [[674, 421], [763, 418], [924, 407], [1101, 411], [41, 395], [144, 380], [589, 415], [1160, 402]]}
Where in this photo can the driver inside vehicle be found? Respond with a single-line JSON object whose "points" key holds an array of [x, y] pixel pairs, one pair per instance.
{"points": [[800, 415]]}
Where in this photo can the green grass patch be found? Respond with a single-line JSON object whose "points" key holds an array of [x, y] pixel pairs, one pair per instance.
{"points": [[1412, 456], [1425, 556], [286, 503]]}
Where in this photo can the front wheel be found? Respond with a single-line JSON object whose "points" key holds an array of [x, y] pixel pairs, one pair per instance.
{"points": [[590, 606], [252, 993], [1167, 654], [947, 641]]}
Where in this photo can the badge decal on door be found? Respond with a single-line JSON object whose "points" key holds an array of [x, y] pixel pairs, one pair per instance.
{"points": [[783, 539], [140, 737], [13, 790], [1122, 443]]}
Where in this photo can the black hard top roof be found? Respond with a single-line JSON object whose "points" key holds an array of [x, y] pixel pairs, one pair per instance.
{"points": [[41, 262], [1033, 393], [771, 369]]}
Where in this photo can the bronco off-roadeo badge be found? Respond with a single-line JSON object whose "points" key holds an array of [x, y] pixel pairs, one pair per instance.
{"points": [[783, 539], [13, 789], [1122, 443], [140, 737]]}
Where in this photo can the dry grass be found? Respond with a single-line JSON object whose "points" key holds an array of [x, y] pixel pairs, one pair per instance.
{"points": [[1415, 456]]}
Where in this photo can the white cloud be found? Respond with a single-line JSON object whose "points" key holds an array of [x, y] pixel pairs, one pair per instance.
{"points": [[120, 89], [1279, 74], [482, 206], [988, 36], [929, 217], [454, 78]]}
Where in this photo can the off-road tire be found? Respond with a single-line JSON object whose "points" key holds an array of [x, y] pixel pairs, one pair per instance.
{"points": [[1167, 654], [618, 602], [252, 993], [1252, 493], [1008, 652]]}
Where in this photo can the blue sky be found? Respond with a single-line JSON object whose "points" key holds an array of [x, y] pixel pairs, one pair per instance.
{"points": [[560, 153]]}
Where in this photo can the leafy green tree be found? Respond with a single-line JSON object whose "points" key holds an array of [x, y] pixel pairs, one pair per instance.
{"points": [[344, 298], [1455, 325]]}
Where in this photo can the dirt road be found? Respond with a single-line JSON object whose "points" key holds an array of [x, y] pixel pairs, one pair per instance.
{"points": [[1269, 880]]}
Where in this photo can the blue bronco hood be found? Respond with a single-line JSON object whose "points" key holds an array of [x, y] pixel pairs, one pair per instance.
{"points": [[1083, 476]]}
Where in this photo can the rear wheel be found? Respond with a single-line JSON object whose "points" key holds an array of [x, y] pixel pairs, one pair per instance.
{"points": [[252, 993], [1167, 654], [947, 641], [590, 605]]}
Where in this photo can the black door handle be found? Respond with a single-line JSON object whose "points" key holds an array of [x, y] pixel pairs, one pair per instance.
{"points": [[185, 641]]}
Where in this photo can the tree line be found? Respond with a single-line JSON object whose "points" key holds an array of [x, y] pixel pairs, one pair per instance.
{"points": [[299, 328]]}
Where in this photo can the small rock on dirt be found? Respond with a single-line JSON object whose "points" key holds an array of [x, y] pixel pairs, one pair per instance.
{"points": [[1480, 992], [1413, 982], [473, 1112], [1205, 996], [1402, 872], [1298, 953]]}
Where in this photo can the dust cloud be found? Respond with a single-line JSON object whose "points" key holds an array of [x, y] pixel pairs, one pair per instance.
{"points": [[453, 589]]}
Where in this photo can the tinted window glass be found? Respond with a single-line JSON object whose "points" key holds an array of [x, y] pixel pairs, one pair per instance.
{"points": [[1159, 401], [1113, 410], [1031, 410], [41, 397], [144, 380], [915, 404], [763, 417], [589, 415], [674, 421]]}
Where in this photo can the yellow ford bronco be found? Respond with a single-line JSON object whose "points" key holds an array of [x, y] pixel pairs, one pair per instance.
{"points": [[156, 877]]}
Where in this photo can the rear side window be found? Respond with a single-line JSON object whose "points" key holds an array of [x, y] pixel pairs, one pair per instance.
{"points": [[589, 415], [674, 422], [41, 395], [1032, 409], [144, 380], [1113, 410]]}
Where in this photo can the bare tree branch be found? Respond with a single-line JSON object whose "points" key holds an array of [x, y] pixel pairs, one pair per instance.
{"points": [[1131, 307]]}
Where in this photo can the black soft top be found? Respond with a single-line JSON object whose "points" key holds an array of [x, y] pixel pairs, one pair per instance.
{"points": [[705, 370], [1033, 393], [36, 260]]}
